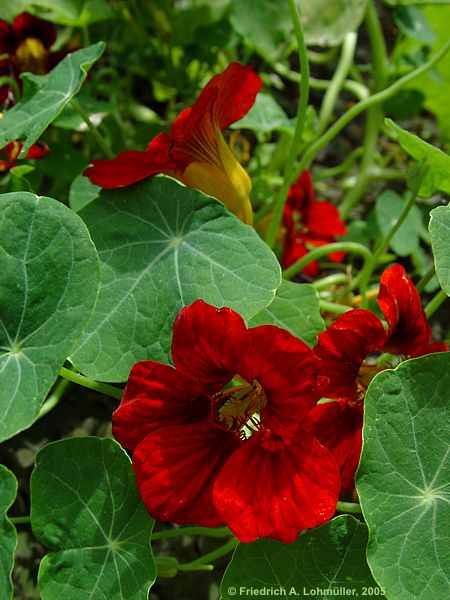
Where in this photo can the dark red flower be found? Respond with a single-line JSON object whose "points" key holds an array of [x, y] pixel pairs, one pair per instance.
{"points": [[218, 438], [309, 223], [194, 151], [344, 373], [25, 45], [12, 150]]}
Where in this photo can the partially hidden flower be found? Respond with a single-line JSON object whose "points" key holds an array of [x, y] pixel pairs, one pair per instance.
{"points": [[309, 223], [10, 154], [345, 372], [194, 151], [25, 46], [218, 438]]}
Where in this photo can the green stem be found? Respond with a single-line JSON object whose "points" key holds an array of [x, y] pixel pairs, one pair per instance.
{"points": [[426, 278], [360, 107], [343, 167], [435, 303], [101, 142], [342, 69], [216, 532], [348, 247], [290, 168], [91, 384], [375, 114], [349, 507], [54, 397], [330, 280], [332, 307], [207, 558], [20, 520]]}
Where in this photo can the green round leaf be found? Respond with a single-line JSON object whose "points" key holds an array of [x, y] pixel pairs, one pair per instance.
{"points": [[82, 192], [327, 561], [295, 308], [86, 509], [162, 246], [440, 241], [388, 209], [403, 478], [327, 23], [8, 535], [265, 116], [49, 279]]}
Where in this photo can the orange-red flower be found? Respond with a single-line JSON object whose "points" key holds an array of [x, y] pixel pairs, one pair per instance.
{"points": [[344, 374], [309, 222], [194, 151], [12, 150], [208, 450]]}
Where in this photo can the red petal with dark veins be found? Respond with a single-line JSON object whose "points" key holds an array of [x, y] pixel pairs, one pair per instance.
{"points": [[409, 331], [208, 342], [286, 368], [342, 349], [132, 166], [27, 26], [338, 426], [176, 468], [157, 396], [270, 488]]}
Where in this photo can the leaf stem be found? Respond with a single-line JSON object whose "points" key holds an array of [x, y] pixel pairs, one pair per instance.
{"points": [[54, 397], [349, 507], [332, 307], [330, 280], [101, 142], [207, 558], [435, 303], [216, 532], [20, 520], [422, 284], [290, 168], [91, 384]]}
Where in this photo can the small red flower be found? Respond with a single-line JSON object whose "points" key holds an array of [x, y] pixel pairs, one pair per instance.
{"points": [[26, 45], [344, 375], [309, 222], [194, 151], [209, 450], [12, 150]]}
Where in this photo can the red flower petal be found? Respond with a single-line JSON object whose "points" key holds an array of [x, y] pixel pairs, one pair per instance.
{"points": [[156, 396], [269, 488], [338, 426], [322, 220], [342, 349], [176, 468], [207, 342], [132, 166], [38, 151], [409, 332], [5, 37], [286, 368], [27, 26]]}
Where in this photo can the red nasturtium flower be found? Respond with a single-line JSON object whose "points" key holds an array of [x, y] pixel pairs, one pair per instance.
{"points": [[11, 151], [210, 453], [194, 151], [25, 46], [309, 222], [344, 375]]}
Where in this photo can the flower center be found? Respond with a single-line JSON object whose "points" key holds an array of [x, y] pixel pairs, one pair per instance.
{"points": [[239, 408], [365, 375], [31, 56]]}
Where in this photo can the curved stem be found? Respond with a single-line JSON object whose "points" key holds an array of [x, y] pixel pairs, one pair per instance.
{"points": [[342, 69], [54, 397], [426, 278], [349, 507], [332, 307], [435, 303], [348, 247], [216, 532], [330, 280], [101, 142], [207, 558], [290, 168], [20, 520], [91, 384]]}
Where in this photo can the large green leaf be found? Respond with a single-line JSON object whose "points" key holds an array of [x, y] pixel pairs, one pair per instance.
{"points": [[86, 509], [438, 174], [440, 241], [415, 2], [78, 13], [265, 116], [295, 308], [45, 97], [82, 192], [403, 478], [325, 561], [388, 208], [48, 285], [161, 247], [8, 536], [327, 23]]}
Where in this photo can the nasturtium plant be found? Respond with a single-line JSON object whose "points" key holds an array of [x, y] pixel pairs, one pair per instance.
{"points": [[86, 510], [224, 286], [8, 535], [403, 478], [50, 275]]}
